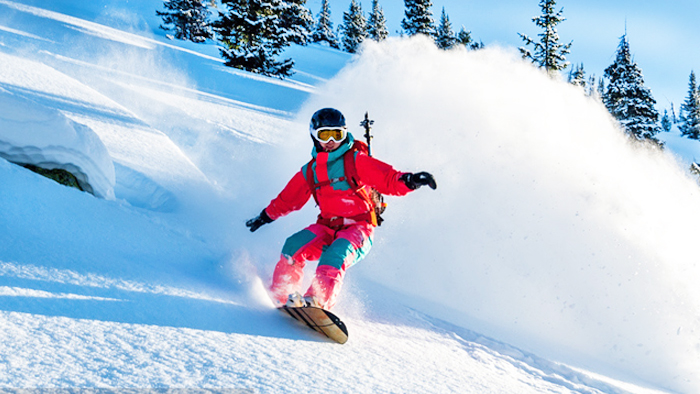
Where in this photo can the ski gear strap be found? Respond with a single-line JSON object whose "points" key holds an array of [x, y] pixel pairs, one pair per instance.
{"points": [[352, 179], [336, 223]]}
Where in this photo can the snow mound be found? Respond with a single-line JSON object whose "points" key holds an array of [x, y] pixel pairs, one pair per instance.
{"points": [[31, 133]]}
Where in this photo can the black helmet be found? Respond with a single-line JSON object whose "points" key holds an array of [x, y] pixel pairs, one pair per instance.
{"points": [[327, 117]]}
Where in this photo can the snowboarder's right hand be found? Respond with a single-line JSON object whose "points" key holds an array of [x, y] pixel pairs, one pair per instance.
{"points": [[414, 181], [258, 221]]}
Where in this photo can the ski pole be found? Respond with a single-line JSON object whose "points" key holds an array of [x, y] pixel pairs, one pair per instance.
{"points": [[367, 124]]}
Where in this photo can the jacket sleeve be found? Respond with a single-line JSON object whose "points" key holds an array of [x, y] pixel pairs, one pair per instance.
{"points": [[380, 175], [292, 198]]}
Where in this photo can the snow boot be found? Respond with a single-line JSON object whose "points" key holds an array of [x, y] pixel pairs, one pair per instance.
{"points": [[295, 301]]}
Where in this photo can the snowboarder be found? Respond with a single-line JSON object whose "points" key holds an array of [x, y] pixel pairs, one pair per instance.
{"points": [[344, 231]]}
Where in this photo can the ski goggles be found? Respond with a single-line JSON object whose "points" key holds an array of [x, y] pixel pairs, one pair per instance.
{"points": [[325, 134]]}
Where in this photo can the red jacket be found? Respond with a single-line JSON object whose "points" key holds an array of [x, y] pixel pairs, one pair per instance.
{"points": [[337, 199]]}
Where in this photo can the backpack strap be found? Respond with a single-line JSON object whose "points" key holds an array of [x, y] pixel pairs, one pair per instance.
{"points": [[350, 170], [356, 183], [313, 185], [310, 179], [350, 177]]}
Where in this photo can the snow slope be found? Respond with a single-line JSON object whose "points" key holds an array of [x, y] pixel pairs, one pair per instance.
{"points": [[552, 258]]}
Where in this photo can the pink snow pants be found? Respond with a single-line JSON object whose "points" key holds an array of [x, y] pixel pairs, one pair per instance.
{"points": [[335, 249]]}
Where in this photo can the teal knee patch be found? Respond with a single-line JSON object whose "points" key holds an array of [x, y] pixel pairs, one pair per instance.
{"points": [[297, 241], [362, 252], [343, 252]]}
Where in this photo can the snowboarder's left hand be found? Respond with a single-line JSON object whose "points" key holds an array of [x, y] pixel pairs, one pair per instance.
{"points": [[414, 181], [258, 221]]}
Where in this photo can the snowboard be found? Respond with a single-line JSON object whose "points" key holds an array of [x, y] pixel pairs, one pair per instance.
{"points": [[320, 320]]}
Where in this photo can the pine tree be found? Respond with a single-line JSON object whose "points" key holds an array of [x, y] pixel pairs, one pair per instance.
{"points": [[674, 119], [592, 90], [444, 36], [689, 124], [255, 32], [376, 23], [418, 18], [666, 123], [354, 27], [548, 52], [577, 76], [323, 31], [296, 21], [189, 19], [601, 88], [464, 37], [626, 97]]}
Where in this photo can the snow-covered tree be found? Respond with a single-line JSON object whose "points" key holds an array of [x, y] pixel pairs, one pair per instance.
{"points": [[444, 35], [188, 19], [255, 32], [376, 23], [674, 119], [601, 88], [626, 97], [592, 87], [296, 21], [464, 37], [577, 76], [689, 123], [548, 53], [418, 19], [323, 31], [666, 123], [354, 27]]}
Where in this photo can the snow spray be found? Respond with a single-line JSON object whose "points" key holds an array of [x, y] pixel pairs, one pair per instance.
{"points": [[550, 230]]}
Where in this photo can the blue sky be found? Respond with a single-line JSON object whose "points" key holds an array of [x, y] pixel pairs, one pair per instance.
{"points": [[662, 35]]}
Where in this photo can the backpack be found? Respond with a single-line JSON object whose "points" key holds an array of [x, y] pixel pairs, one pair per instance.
{"points": [[369, 194]]}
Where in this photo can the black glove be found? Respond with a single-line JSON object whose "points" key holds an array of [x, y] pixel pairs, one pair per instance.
{"points": [[414, 181], [258, 221]]}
